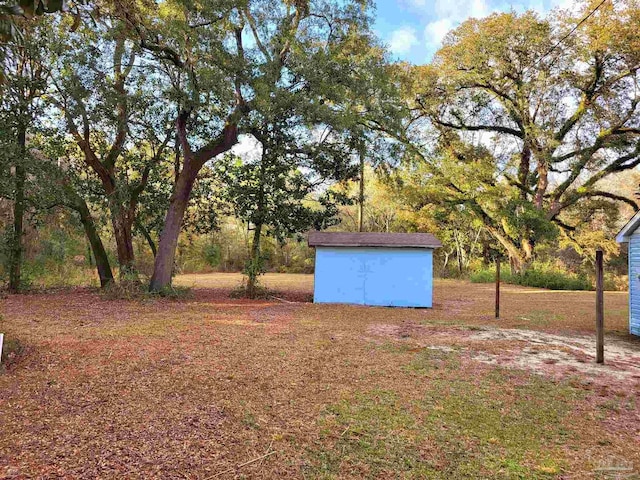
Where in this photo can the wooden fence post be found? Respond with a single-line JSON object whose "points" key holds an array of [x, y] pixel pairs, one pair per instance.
{"points": [[600, 306], [498, 288]]}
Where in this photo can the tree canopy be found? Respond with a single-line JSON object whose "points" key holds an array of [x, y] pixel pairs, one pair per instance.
{"points": [[522, 135], [513, 138]]}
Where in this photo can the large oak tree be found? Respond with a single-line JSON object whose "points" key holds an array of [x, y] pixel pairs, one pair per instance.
{"points": [[522, 134], [226, 60]]}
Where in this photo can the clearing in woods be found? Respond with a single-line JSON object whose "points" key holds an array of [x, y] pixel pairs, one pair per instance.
{"points": [[215, 387]]}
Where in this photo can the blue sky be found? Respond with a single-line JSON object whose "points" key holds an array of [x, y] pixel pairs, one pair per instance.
{"points": [[413, 29]]}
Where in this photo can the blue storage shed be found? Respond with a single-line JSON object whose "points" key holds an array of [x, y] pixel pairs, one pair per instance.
{"points": [[382, 269], [631, 236]]}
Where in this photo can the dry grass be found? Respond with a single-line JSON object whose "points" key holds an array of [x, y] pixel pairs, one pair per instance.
{"points": [[286, 284], [458, 302], [194, 388]]}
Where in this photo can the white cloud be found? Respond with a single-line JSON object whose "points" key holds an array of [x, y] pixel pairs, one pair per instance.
{"points": [[459, 11], [402, 40], [441, 16], [436, 31], [454, 10], [448, 15]]}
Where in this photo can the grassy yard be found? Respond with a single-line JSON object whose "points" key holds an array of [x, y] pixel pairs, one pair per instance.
{"points": [[214, 387]]}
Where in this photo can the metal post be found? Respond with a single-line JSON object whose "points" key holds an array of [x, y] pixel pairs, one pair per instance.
{"points": [[498, 288], [599, 306]]}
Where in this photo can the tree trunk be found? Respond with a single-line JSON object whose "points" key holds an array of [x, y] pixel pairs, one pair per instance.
{"points": [[121, 222], [543, 185], [486, 258], [78, 204], [97, 247], [447, 255], [193, 162], [516, 264], [163, 266], [519, 256], [89, 254], [254, 262], [124, 239], [255, 267], [15, 259], [523, 173], [147, 237]]}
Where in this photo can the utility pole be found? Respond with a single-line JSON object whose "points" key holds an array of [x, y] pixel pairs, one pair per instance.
{"points": [[361, 195]]}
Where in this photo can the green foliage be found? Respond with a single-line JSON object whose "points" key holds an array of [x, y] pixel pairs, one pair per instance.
{"points": [[213, 255], [254, 268], [257, 291], [539, 276], [311, 83], [521, 175], [172, 292]]}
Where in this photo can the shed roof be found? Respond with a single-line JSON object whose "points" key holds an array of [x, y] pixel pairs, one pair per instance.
{"points": [[389, 240], [629, 228]]}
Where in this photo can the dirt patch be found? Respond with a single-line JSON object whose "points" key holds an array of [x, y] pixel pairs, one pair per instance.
{"points": [[552, 354], [407, 330]]}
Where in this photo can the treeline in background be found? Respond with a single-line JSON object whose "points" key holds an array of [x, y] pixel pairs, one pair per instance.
{"points": [[57, 252], [140, 140]]}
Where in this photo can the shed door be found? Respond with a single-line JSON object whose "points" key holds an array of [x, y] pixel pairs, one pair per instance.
{"points": [[634, 283], [399, 278]]}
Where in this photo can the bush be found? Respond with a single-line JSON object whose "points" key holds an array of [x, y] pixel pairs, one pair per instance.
{"points": [[136, 288], [539, 277], [616, 283], [484, 275], [553, 280]]}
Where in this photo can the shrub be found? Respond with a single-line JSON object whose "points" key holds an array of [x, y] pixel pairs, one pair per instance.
{"points": [[484, 275], [616, 283], [538, 276], [553, 280], [242, 291]]}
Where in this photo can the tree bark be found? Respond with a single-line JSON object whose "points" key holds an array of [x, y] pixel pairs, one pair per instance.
{"points": [[97, 247], [147, 237], [15, 261], [254, 262], [78, 204], [518, 257], [122, 230], [193, 162], [253, 273], [163, 266]]}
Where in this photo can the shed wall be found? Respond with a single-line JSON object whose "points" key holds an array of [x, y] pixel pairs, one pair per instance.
{"points": [[634, 283], [398, 277]]}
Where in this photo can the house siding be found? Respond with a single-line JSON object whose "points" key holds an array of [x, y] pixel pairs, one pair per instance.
{"points": [[377, 276], [634, 283]]}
